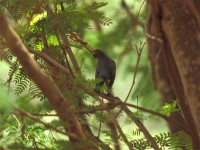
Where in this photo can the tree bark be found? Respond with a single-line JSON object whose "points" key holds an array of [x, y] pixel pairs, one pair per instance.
{"points": [[168, 95], [183, 37], [177, 27]]}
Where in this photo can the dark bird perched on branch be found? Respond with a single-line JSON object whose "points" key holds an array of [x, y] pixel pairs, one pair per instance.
{"points": [[105, 70]]}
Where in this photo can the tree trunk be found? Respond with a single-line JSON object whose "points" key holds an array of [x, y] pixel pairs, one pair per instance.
{"points": [[177, 34]]}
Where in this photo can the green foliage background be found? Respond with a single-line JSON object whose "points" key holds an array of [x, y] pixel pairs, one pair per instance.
{"points": [[117, 37]]}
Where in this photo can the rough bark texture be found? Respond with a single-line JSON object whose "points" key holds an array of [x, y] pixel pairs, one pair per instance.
{"points": [[183, 36], [177, 86], [177, 32], [197, 4], [156, 46], [168, 95]]}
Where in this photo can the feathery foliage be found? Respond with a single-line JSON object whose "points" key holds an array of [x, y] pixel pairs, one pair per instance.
{"points": [[45, 26]]}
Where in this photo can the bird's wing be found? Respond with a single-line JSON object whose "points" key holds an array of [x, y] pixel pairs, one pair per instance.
{"points": [[96, 74], [112, 73]]}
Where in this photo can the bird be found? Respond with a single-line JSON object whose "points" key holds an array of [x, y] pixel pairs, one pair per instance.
{"points": [[105, 70]]}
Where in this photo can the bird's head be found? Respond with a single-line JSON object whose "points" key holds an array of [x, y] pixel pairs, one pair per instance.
{"points": [[98, 54]]}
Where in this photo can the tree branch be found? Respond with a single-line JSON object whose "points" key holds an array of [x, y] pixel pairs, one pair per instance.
{"points": [[65, 41], [50, 61], [46, 125], [49, 89]]}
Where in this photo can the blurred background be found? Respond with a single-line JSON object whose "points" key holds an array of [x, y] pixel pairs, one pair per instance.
{"points": [[120, 34]]}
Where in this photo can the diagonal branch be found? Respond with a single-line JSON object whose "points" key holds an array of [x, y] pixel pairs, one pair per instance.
{"points": [[129, 113], [33, 70], [50, 60], [134, 19], [74, 36], [43, 123], [139, 52]]}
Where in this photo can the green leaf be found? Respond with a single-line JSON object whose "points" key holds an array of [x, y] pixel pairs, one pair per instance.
{"points": [[7, 100], [169, 108]]}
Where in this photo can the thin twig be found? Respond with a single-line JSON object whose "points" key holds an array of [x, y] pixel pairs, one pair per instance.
{"points": [[139, 52], [20, 126], [65, 41], [115, 122], [147, 111], [99, 130], [155, 38], [74, 36], [140, 9], [45, 115], [133, 18], [100, 123], [141, 126], [60, 44], [136, 121], [70, 53], [128, 112], [49, 60], [116, 102], [46, 125]]}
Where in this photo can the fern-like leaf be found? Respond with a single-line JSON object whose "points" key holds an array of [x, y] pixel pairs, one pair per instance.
{"points": [[95, 6], [35, 91], [97, 16], [22, 86]]}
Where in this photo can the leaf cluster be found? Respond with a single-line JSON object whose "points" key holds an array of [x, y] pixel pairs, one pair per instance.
{"points": [[166, 141]]}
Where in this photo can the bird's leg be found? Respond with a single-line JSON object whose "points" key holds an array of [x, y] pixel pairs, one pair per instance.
{"points": [[98, 86], [109, 91]]}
